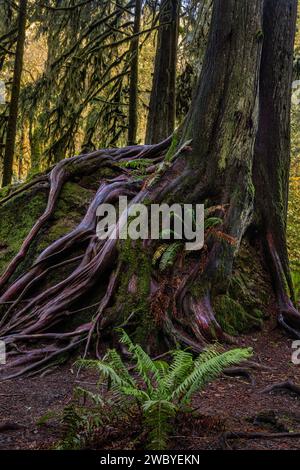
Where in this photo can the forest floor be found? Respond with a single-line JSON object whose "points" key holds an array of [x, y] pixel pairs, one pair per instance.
{"points": [[230, 404]]}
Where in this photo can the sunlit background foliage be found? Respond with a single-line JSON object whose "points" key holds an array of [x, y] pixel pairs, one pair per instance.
{"points": [[75, 81]]}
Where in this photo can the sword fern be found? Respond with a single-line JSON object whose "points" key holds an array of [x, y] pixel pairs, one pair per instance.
{"points": [[163, 389]]}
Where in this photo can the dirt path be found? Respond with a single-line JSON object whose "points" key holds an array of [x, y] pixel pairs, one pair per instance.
{"points": [[230, 404]]}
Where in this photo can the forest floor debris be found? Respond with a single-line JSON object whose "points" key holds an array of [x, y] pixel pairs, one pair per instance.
{"points": [[232, 413]]}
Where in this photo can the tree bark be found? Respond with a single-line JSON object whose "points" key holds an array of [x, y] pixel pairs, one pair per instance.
{"points": [[162, 108], [223, 154], [223, 121], [15, 93], [134, 77], [272, 146]]}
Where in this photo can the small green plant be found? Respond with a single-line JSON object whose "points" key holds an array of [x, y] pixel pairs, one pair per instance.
{"points": [[77, 421], [167, 253], [160, 389], [136, 164], [71, 422], [138, 167]]}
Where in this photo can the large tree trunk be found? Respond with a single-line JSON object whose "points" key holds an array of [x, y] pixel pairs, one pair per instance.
{"points": [[272, 147], [222, 157], [162, 107], [15, 93]]}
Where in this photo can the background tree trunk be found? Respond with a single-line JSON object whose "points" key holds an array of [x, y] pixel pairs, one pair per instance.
{"points": [[272, 147], [134, 77], [162, 108], [15, 92]]}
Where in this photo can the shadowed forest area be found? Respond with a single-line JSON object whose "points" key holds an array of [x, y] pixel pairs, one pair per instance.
{"points": [[121, 343]]}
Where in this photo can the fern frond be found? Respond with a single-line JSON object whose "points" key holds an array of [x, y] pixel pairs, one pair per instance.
{"points": [[158, 414], [205, 371], [169, 256], [162, 367], [104, 369], [158, 253], [115, 361], [94, 397], [144, 364], [124, 338], [146, 367], [180, 367], [140, 395], [47, 417], [71, 422], [212, 222]]}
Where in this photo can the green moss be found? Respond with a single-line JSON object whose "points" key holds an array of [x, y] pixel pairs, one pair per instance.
{"points": [[173, 147], [70, 210], [233, 317], [137, 265], [92, 181], [243, 306], [4, 191], [199, 289], [18, 216], [250, 284], [226, 148], [240, 303]]}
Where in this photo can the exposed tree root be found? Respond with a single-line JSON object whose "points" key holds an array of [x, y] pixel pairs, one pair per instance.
{"points": [[35, 182], [255, 435], [27, 324], [10, 426], [289, 317], [31, 325], [239, 372], [288, 385]]}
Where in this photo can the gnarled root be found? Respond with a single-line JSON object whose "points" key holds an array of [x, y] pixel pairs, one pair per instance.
{"points": [[288, 386], [32, 324], [288, 317]]}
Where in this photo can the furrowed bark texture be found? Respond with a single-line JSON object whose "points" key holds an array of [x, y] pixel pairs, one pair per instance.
{"points": [[272, 146], [223, 157], [223, 120], [162, 108]]}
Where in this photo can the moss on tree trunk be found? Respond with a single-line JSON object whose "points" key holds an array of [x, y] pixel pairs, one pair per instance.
{"points": [[237, 279]]}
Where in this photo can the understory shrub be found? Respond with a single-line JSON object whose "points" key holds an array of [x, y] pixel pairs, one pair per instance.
{"points": [[160, 389]]}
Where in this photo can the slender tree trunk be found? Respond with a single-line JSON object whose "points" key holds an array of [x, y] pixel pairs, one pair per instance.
{"points": [[14, 102], [134, 77], [162, 108]]}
